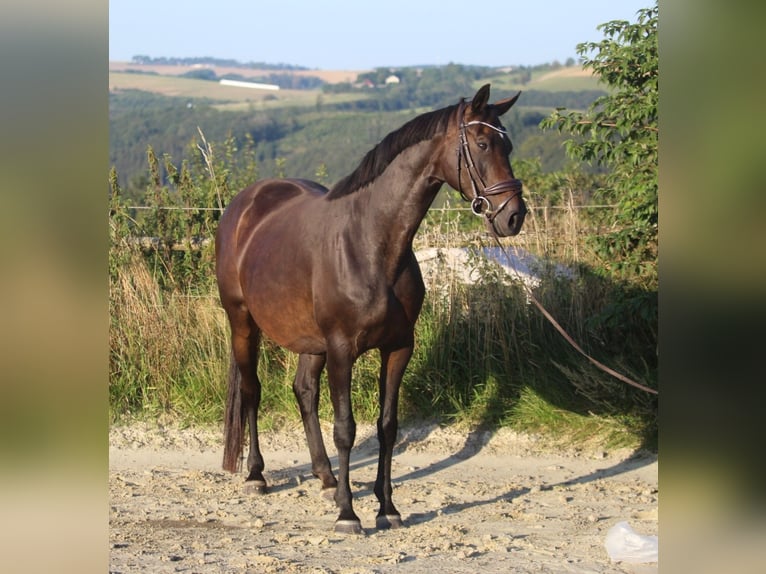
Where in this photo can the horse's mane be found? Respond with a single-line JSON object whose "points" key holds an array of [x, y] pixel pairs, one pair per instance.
{"points": [[419, 129]]}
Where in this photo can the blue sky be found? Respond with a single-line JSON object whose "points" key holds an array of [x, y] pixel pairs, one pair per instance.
{"points": [[357, 34]]}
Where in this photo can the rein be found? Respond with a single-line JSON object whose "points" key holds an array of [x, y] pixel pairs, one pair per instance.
{"points": [[480, 205], [563, 333]]}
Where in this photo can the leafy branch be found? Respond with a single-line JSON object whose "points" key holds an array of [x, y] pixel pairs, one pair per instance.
{"points": [[619, 131]]}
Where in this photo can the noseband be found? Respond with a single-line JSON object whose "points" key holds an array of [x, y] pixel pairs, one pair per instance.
{"points": [[480, 205]]}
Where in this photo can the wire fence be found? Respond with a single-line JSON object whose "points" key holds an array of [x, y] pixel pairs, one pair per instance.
{"points": [[529, 207], [184, 248]]}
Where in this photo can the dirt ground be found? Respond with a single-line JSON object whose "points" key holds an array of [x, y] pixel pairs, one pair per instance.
{"points": [[471, 502]]}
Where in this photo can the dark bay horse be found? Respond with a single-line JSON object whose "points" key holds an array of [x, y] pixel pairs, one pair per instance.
{"points": [[330, 274]]}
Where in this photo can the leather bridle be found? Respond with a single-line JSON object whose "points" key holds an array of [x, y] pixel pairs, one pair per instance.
{"points": [[480, 205]]}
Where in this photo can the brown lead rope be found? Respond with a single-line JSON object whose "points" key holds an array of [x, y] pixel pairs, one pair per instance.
{"points": [[566, 335]]}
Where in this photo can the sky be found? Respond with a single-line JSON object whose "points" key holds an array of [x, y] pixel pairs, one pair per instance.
{"points": [[361, 35]]}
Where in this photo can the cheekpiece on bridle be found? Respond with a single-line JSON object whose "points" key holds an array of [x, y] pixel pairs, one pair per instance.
{"points": [[480, 205]]}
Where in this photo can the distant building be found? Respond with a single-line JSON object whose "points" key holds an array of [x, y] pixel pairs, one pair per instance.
{"points": [[392, 79], [254, 85]]}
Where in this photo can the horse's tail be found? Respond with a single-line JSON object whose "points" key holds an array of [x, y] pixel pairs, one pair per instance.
{"points": [[234, 421]]}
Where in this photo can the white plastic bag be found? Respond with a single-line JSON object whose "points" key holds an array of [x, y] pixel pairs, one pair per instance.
{"points": [[623, 544]]}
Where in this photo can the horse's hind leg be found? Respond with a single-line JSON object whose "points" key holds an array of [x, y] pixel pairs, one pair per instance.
{"points": [[245, 341], [306, 389]]}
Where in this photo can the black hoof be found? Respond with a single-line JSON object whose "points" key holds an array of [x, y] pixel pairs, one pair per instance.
{"points": [[255, 487], [348, 527], [386, 521]]}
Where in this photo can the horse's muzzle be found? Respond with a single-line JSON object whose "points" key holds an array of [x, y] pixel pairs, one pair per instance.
{"points": [[509, 221], [507, 218]]}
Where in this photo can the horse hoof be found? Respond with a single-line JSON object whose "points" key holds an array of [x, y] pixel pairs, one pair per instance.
{"points": [[386, 521], [328, 493], [348, 527], [255, 487]]}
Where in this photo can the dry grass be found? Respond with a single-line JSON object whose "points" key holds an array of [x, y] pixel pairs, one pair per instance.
{"points": [[167, 349]]}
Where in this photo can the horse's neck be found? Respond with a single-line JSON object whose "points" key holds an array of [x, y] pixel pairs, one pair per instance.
{"points": [[398, 200]]}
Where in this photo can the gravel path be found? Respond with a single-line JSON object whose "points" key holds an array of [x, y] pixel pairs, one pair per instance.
{"points": [[472, 502]]}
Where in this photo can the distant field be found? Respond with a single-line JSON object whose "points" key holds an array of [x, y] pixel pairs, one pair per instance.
{"points": [[329, 76], [572, 79], [289, 98], [167, 80], [190, 88], [229, 97]]}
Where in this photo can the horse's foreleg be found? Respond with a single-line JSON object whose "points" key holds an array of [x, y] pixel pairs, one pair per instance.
{"points": [[392, 366], [306, 389], [344, 433]]}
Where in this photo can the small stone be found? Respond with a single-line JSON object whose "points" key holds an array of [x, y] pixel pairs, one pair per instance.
{"points": [[318, 540]]}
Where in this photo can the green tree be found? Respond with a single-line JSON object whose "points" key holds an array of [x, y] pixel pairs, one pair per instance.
{"points": [[619, 131]]}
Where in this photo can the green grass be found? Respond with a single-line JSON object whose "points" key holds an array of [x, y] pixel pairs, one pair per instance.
{"points": [[533, 413]]}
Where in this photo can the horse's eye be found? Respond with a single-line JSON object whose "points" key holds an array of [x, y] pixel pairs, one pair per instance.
{"points": [[482, 145]]}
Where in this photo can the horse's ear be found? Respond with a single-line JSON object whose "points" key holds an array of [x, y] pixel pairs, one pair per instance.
{"points": [[480, 99], [505, 105]]}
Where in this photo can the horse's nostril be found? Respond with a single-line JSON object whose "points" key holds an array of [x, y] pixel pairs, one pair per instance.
{"points": [[516, 220]]}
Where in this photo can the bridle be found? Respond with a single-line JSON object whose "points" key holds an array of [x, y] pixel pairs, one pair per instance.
{"points": [[480, 205]]}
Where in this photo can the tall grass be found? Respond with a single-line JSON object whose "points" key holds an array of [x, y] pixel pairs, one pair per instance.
{"points": [[483, 357], [167, 349]]}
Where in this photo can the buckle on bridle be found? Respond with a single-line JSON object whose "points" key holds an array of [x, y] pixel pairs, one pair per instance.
{"points": [[480, 205]]}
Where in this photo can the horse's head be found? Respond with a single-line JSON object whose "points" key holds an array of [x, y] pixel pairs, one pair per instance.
{"points": [[483, 174]]}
